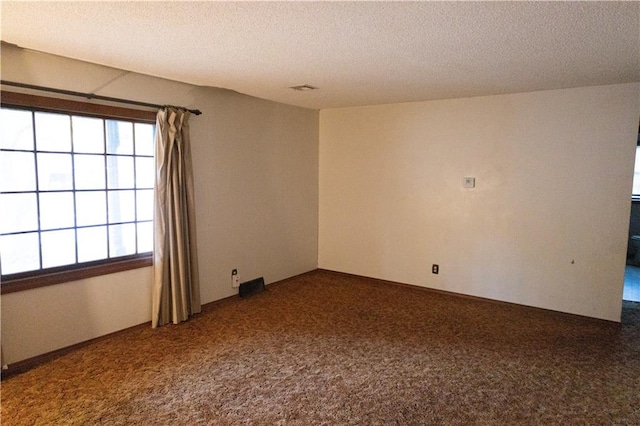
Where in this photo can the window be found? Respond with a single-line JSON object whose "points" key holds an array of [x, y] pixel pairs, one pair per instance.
{"points": [[76, 191]]}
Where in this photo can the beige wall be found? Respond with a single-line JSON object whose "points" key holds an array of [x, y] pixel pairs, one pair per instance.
{"points": [[546, 225], [256, 178], [256, 168], [48, 318]]}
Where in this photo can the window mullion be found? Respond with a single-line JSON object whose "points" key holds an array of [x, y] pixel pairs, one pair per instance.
{"points": [[35, 156], [73, 187], [106, 184], [135, 189]]}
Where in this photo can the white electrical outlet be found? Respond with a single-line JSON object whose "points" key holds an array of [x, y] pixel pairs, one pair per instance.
{"points": [[235, 278]]}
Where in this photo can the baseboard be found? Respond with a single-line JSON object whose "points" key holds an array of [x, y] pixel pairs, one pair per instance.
{"points": [[467, 296], [29, 363]]}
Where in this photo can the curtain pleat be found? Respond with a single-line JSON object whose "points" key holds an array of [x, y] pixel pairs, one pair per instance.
{"points": [[176, 290]]}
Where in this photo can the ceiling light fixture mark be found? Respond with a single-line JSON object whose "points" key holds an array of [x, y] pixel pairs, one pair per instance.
{"points": [[303, 88]]}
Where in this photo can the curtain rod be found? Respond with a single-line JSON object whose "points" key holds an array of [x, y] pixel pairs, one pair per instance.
{"points": [[93, 96]]}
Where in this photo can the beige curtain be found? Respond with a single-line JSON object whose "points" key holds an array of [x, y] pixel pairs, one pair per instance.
{"points": [[176, 291]]}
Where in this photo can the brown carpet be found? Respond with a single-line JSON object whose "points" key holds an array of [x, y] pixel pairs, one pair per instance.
{"points": [[326, 348]]}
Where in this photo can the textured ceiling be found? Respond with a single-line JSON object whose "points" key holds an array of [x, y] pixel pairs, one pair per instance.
{"points": [[357, 53]]}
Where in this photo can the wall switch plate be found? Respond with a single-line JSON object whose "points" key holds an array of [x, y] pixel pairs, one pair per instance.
{"points": [[469, 182], [235, 278], [435, 269]]}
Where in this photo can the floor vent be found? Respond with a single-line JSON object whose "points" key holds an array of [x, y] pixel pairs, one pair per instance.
{"points": [[252, 287]]}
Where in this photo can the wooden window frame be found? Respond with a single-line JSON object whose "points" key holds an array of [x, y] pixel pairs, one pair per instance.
{"points": [[50, 276]]}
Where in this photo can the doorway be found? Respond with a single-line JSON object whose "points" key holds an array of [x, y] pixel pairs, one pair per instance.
{"points": [[631, 289]]}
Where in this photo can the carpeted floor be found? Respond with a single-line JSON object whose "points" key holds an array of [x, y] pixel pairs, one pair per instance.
{"points": [[326, 348]]}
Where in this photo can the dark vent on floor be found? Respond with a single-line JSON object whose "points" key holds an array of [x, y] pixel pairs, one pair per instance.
{"points": [[252, 287]]}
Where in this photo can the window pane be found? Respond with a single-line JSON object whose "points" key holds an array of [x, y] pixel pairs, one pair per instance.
{"points": [[92, 244], [88, 135], [144, 139], [17, 171], [58, 248], [18, 213], [119, 137], [145, 237], [53, 132], [89, 171], [54, 172], [56, 210], [121, 206], [122, 240], [119, 172], [16, 131], [145, 173], [91, 208], [144, 207], [20, 253]]}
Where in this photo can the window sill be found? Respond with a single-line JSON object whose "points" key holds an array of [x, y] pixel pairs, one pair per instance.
{"points": [[31, 280]]}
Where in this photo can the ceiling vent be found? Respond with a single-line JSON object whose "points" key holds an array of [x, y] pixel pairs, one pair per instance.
{"points": [[303, 88]]}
